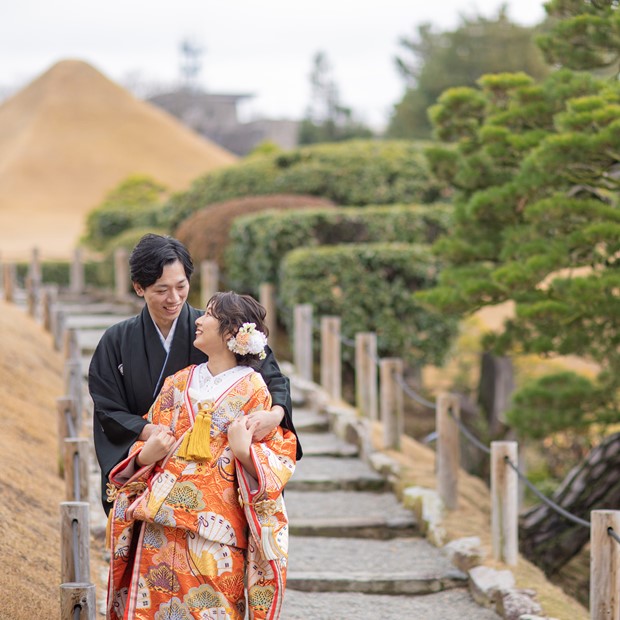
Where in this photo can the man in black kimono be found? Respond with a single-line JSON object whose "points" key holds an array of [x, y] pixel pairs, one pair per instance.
{"points": [[134, 356]]}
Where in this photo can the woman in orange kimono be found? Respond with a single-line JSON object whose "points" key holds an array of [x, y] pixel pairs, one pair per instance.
{"points": [[199, 525]]}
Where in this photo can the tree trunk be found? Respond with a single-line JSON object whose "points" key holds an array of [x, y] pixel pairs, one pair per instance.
{"points": [[550, 540], [494, 390]]}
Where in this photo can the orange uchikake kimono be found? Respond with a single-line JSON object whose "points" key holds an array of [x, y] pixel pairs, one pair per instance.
{"points": [[185, 533]]}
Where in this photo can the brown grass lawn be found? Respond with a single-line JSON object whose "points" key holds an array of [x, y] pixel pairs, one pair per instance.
{"points": [[31, 378]]}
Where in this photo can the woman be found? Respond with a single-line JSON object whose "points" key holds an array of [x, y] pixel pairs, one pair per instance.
{"points": [[199, 509]]}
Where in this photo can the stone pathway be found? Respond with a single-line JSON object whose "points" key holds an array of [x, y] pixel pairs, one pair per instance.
{"points": [[355, 552]]}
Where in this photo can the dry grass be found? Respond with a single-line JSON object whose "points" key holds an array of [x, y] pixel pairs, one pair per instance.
{"points": [[31, 374], [69, 138]]}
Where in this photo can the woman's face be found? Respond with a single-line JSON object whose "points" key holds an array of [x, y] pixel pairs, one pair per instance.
{"points": [[208, 338]]}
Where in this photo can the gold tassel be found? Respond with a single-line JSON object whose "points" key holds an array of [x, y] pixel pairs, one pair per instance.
{"points": [[196, 443]]}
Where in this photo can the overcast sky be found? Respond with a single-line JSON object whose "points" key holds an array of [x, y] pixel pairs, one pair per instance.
{"points": [[262, 47]]}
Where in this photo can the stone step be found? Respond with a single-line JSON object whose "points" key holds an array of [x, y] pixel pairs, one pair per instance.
{"points": [[328, 473], [400, 566], [308, 421], [88, 339], [455, 604], [344, 514], [325, 444]]}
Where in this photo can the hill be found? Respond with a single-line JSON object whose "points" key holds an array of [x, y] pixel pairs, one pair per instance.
{"points": [[31, 489], [67, 139]]}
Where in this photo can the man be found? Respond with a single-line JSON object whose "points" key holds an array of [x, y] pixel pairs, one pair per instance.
{"points": [[134, 356]]}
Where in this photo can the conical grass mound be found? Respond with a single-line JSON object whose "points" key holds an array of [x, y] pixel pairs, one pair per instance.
{"points": [[70, 137]]}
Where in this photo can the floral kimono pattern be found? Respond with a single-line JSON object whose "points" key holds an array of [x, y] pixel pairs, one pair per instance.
{"points": [[186, 532]]}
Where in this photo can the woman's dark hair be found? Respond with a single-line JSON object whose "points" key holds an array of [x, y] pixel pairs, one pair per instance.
{"points": [[152, 253], [232, 310]]}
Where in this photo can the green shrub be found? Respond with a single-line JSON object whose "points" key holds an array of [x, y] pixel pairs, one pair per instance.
{"points": [[359, 173], [552, 403], [258, 243], [370, 286], [98, 274], [135, 203]]}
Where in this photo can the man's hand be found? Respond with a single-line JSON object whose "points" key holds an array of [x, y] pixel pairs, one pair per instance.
{"points": [[267, 421], [149, 429], [158, 444]]}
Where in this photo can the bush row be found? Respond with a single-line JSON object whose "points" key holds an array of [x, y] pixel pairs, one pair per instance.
{"points": [[370, 286], [349, 173], [258, 243], [99, 274]]}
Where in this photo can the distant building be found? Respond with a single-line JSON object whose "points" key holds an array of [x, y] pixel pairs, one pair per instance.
{"points": [[215, 117]]}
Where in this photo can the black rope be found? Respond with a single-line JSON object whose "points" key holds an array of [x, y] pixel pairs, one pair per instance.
{"points": [[469, 435], [347, 342], [545, 499], [419, 399], [77, 612], [610, 531]]}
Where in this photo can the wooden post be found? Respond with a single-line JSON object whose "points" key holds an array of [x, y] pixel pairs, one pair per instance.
{"points": [[504, 502], [366, 397], [302, 340], [80, 595], [74, 386], [58, 322], [391, 401], [49, 298], [77, 272], [331, 356], [9, 279], [34, 283], [209, 280], [76, 469], [267, 298], [74, 542], [121, 273], [448, 450], [72, 347], [65, 410], [604, 566]]}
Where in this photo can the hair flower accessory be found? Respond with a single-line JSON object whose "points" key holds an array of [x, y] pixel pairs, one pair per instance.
{"points": [[248, 341]]}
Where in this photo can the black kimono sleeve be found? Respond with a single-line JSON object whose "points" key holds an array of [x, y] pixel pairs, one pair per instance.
{"points": [[279, 387], [115, 426]]}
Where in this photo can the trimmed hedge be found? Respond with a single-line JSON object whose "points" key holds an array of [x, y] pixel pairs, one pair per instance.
{"points": [[206, 232], [370, 286], [258, 243], [359, 172], [96, 273]]}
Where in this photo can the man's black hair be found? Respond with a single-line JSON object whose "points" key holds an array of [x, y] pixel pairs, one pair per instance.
{"points": [[152, 253]]}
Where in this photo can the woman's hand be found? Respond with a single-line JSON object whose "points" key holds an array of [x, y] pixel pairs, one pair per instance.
{"points": [[158, 444], [267, 421], [240, 432]]}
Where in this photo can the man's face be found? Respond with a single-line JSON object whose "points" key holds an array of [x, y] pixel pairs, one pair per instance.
{"points": [[166, 296]]}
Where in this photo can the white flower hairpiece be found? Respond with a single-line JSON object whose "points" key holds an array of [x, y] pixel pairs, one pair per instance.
{"points": [[248, 340]]}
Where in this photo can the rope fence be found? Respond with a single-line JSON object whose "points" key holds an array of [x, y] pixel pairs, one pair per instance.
{"points": [[371, 369]]}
